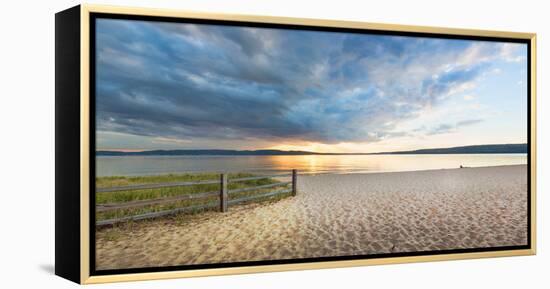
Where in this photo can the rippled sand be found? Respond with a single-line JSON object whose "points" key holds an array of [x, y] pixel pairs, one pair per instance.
{"points": [[335, 215]]}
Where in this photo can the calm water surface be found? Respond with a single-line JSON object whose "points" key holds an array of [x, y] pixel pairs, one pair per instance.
{"points": [[311, 164]]}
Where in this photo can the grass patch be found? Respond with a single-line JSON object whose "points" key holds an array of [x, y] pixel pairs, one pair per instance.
{"points": [[150, 194]]}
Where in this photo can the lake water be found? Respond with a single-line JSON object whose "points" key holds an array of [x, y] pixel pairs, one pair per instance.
{"points": [[311, 164]]}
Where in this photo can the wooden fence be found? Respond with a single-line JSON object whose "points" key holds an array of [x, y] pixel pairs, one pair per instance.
{"points": [[223, 196]]}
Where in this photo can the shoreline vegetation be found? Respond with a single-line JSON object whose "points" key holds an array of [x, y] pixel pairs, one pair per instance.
{"points": [[473, 149], [128, 196]]}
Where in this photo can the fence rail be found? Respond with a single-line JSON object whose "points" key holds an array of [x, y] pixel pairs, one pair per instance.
{"points": [[258, 178], [223, 194], [152, 215], [159, 201], [270, 194], [258, 187], [154, 186]]}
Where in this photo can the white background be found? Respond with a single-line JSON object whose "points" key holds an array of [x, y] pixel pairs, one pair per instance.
{"points": [[27, 144]]}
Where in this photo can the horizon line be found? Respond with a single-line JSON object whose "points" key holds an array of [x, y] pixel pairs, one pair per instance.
{"points": [[304, 151]]}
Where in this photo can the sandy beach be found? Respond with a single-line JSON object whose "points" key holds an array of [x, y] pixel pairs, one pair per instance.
{"points": [[336, 215]]}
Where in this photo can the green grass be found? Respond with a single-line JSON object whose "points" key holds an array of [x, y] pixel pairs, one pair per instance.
{"points": [[148, 194]]}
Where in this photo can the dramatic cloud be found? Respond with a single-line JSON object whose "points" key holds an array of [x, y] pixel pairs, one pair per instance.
{"points": [[448, 128], [180, 82]]}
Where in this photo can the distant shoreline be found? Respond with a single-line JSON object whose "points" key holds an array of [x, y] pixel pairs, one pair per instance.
{"points": [[475, 149]]}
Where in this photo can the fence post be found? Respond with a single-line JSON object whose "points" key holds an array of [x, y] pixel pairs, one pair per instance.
{"points": [[223, 193], [294, 182]]}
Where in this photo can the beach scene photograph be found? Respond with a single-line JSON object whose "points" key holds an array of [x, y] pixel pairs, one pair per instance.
{"points": [[225, 144]]}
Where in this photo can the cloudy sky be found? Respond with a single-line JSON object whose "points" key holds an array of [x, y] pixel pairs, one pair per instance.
{"points": [[170, 85]]}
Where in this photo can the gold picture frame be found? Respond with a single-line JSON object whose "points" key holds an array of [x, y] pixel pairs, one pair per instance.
{"points": [[66, 238]]}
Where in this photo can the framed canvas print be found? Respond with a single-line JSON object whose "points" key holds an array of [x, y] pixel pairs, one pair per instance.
{"points": [[193, 144]]}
